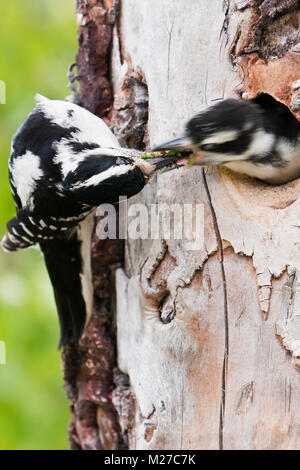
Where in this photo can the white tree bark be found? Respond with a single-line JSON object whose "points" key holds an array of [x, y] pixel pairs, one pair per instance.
{"points": [[223, 372]]}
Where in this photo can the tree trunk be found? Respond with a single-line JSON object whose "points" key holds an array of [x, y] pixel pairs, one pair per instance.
{"points": [[208, 341]]}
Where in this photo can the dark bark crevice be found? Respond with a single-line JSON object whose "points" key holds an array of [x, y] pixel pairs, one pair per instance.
{"points": [[225, 306], [268, 19], [93, 58]]}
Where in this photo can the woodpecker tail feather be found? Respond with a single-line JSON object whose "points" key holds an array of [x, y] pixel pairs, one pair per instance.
{"points": [[67, 257], [18, 236], [68, 264], [10, 243]]}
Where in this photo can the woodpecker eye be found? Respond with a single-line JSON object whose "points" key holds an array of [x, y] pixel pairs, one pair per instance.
{"points": [[122, 161], [208, 146]]}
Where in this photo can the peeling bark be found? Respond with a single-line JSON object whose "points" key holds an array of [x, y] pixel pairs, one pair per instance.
{"points": [[95, 19], [130, 111], [266, 48]]}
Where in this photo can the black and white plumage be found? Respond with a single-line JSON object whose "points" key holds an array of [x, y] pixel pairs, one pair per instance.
{"points": [[65, 161], [259, 138]]}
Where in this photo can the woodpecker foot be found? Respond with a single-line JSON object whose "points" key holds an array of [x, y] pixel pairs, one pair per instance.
{"points": [[75, 96]]}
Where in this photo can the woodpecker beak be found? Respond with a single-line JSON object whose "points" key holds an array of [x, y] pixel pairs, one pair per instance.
{"points": [[181, 143], [185, 145], [161, 162]]}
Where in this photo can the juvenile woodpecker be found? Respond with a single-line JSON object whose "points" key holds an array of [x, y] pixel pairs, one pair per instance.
{"points": [[64, 162], [259, 138]]}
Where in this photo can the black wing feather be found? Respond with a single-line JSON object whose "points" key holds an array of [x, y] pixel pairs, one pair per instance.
{"points": [[64, 265]]}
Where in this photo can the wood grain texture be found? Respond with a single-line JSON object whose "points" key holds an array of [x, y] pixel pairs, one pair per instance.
{"points": [[223, 372]]}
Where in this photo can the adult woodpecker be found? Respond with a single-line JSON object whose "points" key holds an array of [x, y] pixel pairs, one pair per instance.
{"points": [[65, 161], [259, 138]]}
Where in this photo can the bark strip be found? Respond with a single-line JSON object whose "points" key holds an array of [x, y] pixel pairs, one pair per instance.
{"points": [[88, 372]]}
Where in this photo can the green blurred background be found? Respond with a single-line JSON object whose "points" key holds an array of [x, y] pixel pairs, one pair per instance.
{"points": [[38, 41]]}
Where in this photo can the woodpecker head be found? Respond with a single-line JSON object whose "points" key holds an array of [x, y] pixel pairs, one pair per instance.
{"points": [[88, 147], [256, 137]]}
